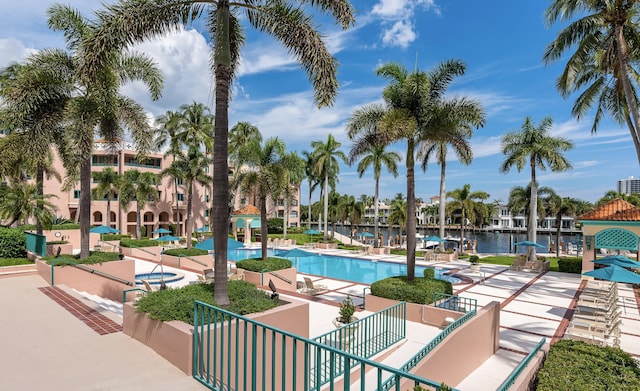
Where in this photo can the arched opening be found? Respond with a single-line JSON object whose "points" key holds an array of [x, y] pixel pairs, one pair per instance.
{"points": [[97, 217]]}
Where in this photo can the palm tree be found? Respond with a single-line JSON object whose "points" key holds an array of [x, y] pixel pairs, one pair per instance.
{"points": [[108, 185], [141, 187], [559, 207], [398, 214], [374, 156], [535, 147], [312, 179], [464, 200], [191, 167], [612, 194], [195, 126], [413, 110], [239, 135], [136, 20], [168, 135], [327, 166], [262, 172], [20, 201], [295, 173], [606, 37], [96, 106]]}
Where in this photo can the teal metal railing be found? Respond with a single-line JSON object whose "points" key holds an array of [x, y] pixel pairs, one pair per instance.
{"points": [[36, 243], [409, 365], [124, 292], [516, 372], [364, 338], [232, 352], [454, 303]]}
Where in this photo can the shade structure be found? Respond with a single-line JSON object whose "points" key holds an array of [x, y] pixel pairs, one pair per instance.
{"points": [[617, 260], [434, 238], [103, 229], [366, 234], [202, 229], [296, 253], [167, 238], [161, 231], [614, 273], [312, 232], [209, 244], [529, 243]]}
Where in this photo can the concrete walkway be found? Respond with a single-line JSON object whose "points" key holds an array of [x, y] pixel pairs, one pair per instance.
{"points": [[44, 347]]}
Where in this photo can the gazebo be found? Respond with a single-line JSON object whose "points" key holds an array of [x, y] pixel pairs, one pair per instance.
{"points": [[614, 225], [247, 217]]}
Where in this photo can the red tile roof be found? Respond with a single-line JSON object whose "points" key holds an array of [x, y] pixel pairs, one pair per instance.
{"points": [[247, 210], [614, 210]]}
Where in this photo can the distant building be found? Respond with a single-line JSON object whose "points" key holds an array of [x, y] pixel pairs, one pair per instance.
{"points": [[629, 185]]}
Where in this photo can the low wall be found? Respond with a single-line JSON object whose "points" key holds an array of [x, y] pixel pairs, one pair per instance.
{"points": [[327, 246], [70, 235], [174, 340], [52, 249], [150, 253], [262, 279], [381, 250], [189, 262], [94, 284], [419, 313], [523, 381]]}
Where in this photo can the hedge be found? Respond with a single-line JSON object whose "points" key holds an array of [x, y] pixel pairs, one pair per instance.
{"points": [[570, 265], [134, 243], [185, 252], [576, 365], [429, 272], [13, 243], [258, 265], [94, 257], [420, 290]]}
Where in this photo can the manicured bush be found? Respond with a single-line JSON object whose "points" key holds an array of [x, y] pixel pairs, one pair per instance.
{"points": [[12, 243], [474, 259], [55, 227], [139, 243], [576, 365], [429, 272], [570, 265], [14, 261], [420, 290], [185, 252], [177, 304], [258, 265], [108, 237], [57, 242], [94, 257]]}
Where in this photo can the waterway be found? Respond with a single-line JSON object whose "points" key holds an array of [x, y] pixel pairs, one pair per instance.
{"points": [[488, 242]]}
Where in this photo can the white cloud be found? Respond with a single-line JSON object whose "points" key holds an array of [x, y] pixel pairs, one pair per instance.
{"points": [[400, 34], [398, 28], [12, 50], [402, 9]]}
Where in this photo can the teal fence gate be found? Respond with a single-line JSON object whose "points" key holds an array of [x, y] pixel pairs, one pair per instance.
{"points": [[36, 243]]}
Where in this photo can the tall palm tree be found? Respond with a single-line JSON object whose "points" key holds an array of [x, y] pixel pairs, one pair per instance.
{"points": [[96, 105], [131, 21], [109, 182], [605, 37], [140, 187], [374, 156], [534, 146], [560, 207], [168, 135], [295, 173], [412, 112], [326, 165], [263, 173], [195, 126], [398, 214], [312, 179], [464, 200], [192, 168]]}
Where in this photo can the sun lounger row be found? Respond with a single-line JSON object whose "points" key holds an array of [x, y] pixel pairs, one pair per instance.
{"points": [[597, 315]]}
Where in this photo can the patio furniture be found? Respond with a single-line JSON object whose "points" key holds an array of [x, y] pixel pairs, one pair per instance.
{"points": [[313, 289], [518, 264], [238, 275]]}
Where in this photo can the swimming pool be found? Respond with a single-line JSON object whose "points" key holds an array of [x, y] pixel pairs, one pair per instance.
{"points": [[343, 268], [159, 277]]}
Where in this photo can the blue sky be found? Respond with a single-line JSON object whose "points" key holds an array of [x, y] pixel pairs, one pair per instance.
{"points": [[501, 42]]}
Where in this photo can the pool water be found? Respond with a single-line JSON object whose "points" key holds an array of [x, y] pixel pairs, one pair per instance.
{"points": [[157, 278], [344, 268]]}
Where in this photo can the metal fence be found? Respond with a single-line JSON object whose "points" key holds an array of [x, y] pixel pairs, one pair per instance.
{"points": [[523, 364], [231, 352], [454, 303]]}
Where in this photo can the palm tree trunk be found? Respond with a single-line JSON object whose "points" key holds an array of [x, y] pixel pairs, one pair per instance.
{"points": [[634, 135], [40, 193], [533, 212], [411, 212], [264, 229], [623, 52], [558, 224], [85, 205], [285, 219], [309, 218], [326, 204], [108, 209], [138, 220], [375, 214], [189, 227], [177, 215], [221, 152], [442, 203]]}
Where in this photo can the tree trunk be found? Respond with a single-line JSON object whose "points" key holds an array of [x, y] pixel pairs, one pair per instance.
{"points": [[264, 229], [375, 215], [558, 224], [309, 218], [442, 203], [221, 152], [411, 212], [40, 193], [623, 53], [177, 219], [85, 205], [189, 227], [285, 219], [326, 205], [138, 220], [533, 212]]}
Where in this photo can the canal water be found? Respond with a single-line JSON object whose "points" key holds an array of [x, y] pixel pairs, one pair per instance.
{"points": [[488, 242]]}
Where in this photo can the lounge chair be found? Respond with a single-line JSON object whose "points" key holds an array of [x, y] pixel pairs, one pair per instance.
{"points": [[147, 286], [518, 264], [208, 275], [237, 275], [313, 289]]}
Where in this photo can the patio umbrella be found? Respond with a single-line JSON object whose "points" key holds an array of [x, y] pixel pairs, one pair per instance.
{"points": [[366, 234], [614, 273], [617, 260], [167, 238], [434, 238], [312, 232], [161, 231], [103, 229], [528, 243], [208, 244], [296, 253]]}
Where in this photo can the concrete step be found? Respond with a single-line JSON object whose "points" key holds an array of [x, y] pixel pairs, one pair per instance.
{"points": [[110, 305]]}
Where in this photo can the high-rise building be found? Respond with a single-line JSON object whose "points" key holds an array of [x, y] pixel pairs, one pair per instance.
{"points": [[629, 185]]}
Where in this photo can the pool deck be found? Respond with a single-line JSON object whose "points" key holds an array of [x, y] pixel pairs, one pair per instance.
{"points": [[41, 345]]}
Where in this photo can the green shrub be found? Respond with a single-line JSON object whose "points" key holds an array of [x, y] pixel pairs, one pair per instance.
{"points": [[139, 243], [55, 227], [185, 252], [14, 261], [576, 365], [474, 259], [570, 265], [419, 291], [177, 304], [12, 243], [429, 272], [258, 265], [94, 257], [108, 237]]}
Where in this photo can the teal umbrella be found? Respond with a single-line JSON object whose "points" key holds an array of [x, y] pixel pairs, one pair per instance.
{"points": [[103, 229], [434, 239], [528, 243], [617, 260], [366, 234], [167, 238], [614, 273], [161, 231], [202, 229], [296, 253], [209, 244], [312, 232]]}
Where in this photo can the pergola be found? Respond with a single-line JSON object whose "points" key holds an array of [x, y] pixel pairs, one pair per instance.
{"points": [[247, 217], [614, 225]]}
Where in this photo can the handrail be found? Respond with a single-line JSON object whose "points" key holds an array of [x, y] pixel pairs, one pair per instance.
{"points": [[124, 293], [90, 270], [191, 259], [523, 364], [143, 250], [283, 278]]}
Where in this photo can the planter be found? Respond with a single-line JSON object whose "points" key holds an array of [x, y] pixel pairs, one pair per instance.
{"points": [[475, 268], [347, 332]]}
